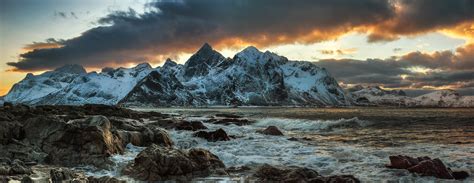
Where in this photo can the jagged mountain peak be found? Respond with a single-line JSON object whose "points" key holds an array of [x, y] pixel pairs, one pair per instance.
{"points": [[200, 63], [142, 66], [205, 47], [169, 63], [71, 69]]}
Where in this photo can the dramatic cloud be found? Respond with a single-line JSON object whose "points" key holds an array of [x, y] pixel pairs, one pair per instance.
{"points": [[176, 27], [183, 26], [444, 69]]}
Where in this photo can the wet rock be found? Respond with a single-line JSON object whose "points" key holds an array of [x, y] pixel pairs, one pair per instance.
{"points": [[238, 169], [104, 179], [336, 179], [87, 141], [229, 121], [425, 166], [218, 135], [61, 175], [434, 168], [460, 175], [157, 163], [268, 173], [15, 167], [226, 115], [271, 130], [191, 126], [7, 104], [9, 131], [404, 162]]}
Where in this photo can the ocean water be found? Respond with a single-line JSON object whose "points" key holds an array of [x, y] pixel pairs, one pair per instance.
{"points": [[356, 141]]}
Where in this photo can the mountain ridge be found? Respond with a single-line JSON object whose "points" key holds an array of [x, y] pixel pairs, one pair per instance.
{"points": [[250, 78]]}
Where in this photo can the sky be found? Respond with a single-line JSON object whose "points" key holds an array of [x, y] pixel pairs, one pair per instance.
{"points": [[415, 45]]}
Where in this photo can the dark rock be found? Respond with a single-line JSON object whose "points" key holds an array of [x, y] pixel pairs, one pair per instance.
{"points": [[424, 166], [15, 167], [229, 121], [192, 126], [434, 168], [61, 175], [226, 115], [267, 173], [10, 130], [404, 162], [336, 179], [157, 163], [87, 141], [292, 139], [238, 169], [271, 130], [7, 104], [460, 175], [140, 134], [104, 179], [218, 135]]}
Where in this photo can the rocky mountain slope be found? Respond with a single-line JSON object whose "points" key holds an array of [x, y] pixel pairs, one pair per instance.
{"points": [[251, 77]]}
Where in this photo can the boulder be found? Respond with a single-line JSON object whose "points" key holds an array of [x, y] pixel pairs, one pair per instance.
{"points": [[104, 179], [404, 162], [218, 135], [425, 166], [157, 163], [191, 126], [15, 167], [87, 141], [227, 115], [229, 121], [61, 175], [9, 131], [460, 175], [434, 168], [268, 173], [271, 130]]}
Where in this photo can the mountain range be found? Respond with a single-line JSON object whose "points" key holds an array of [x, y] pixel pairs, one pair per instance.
{"points": [[207, 78], [251, 77]]}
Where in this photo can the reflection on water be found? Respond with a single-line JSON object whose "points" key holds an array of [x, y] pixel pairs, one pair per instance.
{"points": [[353, 141]]}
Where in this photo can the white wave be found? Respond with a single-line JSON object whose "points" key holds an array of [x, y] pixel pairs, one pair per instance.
{"points": [[311, 125]]}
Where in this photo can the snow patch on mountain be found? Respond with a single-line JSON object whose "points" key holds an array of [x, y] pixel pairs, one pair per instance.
{"points": [[374, 95], [107, 87], [34, 87]]}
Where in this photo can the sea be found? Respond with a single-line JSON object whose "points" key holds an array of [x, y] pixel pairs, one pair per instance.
{"points": [[332, 141]]}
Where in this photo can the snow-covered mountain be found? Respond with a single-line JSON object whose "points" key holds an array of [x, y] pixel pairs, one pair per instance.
{"points": [[444, 98], [374, 95], [106, 87], [34, 87], [251, 77]]}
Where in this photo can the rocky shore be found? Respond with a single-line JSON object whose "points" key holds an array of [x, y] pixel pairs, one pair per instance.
{"points": [[47, 143]]}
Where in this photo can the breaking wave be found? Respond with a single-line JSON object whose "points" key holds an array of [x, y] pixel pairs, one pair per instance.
{"points": [[312, 125]]}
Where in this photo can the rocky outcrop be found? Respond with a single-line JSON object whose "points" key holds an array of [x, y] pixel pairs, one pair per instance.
{"points": [[268, 173], [87, 141], [190, 125], [157, 163], [218, 135], [271, 130], [75, 135], [425, 166], [229, 121]]}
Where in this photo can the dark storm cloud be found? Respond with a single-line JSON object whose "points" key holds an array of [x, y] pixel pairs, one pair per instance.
{"points": [[182, 26], [420, 16], [446, 68]]}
